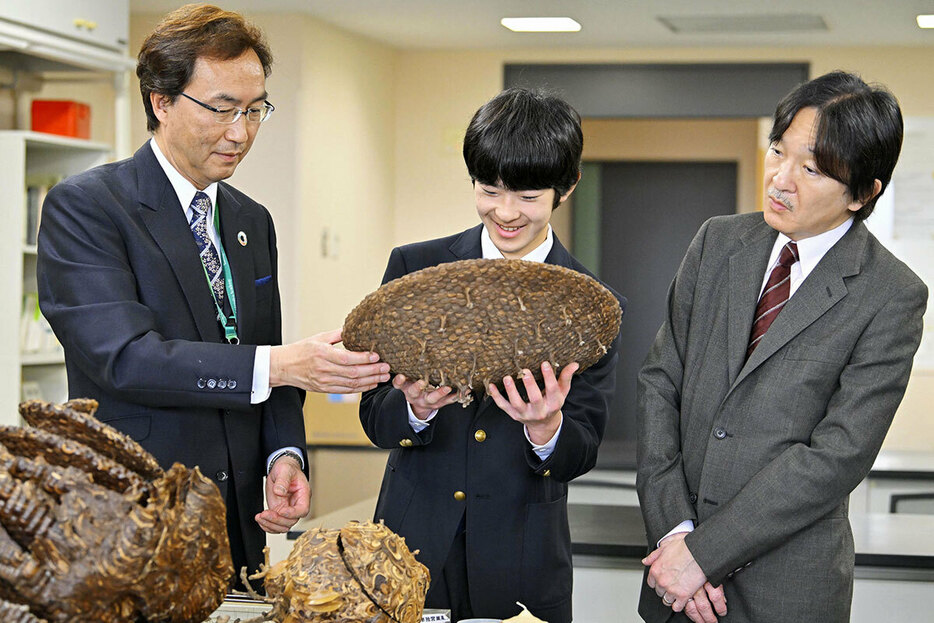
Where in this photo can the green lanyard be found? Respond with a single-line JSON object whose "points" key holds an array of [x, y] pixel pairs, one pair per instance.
{"points": [[229, 323]]}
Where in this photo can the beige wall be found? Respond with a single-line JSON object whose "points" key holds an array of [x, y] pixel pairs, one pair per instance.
{"points": [[913, 428], [438, 91], [668, 140], [341, 477], [348, 177]]}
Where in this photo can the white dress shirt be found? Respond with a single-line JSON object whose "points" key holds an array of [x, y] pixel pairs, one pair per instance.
{"points": [[490, 252]]}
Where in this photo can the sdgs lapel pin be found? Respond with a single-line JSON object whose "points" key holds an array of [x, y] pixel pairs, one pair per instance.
{"points": [[241, 238]]}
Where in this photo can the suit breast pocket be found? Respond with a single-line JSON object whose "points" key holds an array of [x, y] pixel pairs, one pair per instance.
{"points": [[263, 286], [817, 353]]}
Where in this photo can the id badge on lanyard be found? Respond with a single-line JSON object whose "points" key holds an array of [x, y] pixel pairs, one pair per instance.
{"points": [[228, 322]]}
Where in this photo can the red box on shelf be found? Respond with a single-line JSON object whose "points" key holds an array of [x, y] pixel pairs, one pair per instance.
{"points": [[63, 117]]}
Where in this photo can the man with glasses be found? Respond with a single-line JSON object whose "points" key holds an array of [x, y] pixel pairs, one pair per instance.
{"points": [[160, 280]]}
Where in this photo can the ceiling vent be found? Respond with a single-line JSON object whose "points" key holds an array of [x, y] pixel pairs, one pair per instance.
{"points": [[744, 23]]}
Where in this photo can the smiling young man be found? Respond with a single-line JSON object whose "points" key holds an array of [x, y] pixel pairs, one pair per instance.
{"points": [[160, 281], [481, 491], [771, 385]]}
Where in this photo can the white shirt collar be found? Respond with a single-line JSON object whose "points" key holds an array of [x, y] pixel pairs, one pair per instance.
{"points": [[810, 250], [538, 254], [184, 189]]}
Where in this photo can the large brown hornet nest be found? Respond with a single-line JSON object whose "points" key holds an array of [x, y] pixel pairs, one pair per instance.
{"points": [[470, 323], [91, 529], [362, 573]]}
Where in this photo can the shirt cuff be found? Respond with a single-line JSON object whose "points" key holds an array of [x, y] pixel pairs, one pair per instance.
{"points": [[685, 526], [544, 451], [261, 390], [417, 424], [290, 449]]}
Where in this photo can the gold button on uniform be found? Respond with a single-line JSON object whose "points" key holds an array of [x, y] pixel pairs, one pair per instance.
{"points": [[460, 496], [406, 443], [480, 435], [546, 473]]}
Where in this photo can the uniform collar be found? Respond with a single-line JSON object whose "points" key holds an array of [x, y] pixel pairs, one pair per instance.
{"points": [[538, 254]]}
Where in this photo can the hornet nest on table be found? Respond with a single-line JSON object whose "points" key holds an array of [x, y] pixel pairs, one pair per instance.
{"points": [[470, 323], [92, 529], [362, 573]]}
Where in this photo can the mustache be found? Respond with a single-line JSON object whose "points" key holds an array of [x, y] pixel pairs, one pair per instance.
{"points": [[781, 197]]}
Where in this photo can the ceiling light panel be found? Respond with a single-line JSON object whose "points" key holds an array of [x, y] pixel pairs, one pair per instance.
{"points": [[540, 24], [743, 23]]}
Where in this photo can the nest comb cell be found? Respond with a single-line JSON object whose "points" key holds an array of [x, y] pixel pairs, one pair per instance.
{"points": [[470, 323]]}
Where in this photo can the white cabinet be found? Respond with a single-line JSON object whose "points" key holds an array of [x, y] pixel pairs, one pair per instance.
{"points": [[30, 156], [104, 23], [40, 41]]}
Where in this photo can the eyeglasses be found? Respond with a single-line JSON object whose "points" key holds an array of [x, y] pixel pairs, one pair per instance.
{"points": [[232, 115]]}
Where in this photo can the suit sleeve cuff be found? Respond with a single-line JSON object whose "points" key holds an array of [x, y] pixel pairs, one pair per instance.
{"points": [[291, 450], [544, 451], [261, 390], [417, 424]]}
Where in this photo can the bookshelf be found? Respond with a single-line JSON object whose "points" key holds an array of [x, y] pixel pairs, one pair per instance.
{"points": [[49, 49], [35, 367]]}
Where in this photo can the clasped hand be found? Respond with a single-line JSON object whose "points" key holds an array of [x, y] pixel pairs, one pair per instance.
{"points": [[680, 582]]}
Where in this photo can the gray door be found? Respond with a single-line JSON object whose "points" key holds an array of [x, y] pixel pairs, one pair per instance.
{"points": [[649, 212]]}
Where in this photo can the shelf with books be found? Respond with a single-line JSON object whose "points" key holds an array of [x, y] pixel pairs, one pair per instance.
{"points": [[31, 362]]}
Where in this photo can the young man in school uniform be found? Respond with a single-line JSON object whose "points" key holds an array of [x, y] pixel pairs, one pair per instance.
{"points": [[482, 491]]}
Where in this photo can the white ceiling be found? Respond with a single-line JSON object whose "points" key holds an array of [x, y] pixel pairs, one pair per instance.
{"points": [[460, 24]]}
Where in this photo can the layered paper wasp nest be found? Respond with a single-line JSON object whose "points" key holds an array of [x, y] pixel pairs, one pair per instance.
{"points": [[363, 572], [92, 529], [469, 323]]}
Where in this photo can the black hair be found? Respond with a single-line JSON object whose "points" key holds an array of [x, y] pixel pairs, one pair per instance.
{"points": [[859, 131], [525, 140], [166, 60]]}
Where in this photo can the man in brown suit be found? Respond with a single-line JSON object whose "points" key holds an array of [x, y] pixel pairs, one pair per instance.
{"points": [[770, 387]]}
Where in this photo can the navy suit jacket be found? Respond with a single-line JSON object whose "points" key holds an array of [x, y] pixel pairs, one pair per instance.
{"points": [[121, 282], [518, 541]]}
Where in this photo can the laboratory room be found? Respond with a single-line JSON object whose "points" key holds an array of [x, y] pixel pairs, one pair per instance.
{"points": [[491, 311]]}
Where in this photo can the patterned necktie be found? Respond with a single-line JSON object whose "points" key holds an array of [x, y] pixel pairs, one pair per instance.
{"points": [[776, 294], [199, 228]]}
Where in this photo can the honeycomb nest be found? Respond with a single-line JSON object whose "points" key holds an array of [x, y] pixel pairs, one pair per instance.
{"points": [[470, 323], [92, 529], [362, 572]]}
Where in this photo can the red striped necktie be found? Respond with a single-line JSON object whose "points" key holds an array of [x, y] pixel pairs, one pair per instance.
{"points": [[776, 294]]}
